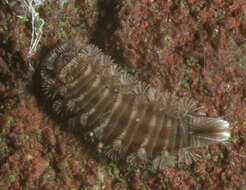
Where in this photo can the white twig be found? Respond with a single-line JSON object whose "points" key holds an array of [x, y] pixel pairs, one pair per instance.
{"points": [[37, 22]]}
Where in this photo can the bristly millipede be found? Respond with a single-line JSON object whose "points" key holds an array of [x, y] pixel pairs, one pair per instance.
{"points": [[124, 117]]}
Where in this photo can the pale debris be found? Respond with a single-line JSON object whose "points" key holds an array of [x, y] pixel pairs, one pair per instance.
{"points": [[30, 6]]}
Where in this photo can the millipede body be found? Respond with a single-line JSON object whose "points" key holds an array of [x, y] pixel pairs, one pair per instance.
{"points": [[125, 118]]}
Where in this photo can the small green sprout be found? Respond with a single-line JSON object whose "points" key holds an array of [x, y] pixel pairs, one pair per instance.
{"points": [[12, 177], [57, 131], [91, 3], [169, 40], [192, 62], [100, 176], [10, 120], [228, 89], [113, 171]]}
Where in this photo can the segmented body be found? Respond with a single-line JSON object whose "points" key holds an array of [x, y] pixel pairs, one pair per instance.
{"points": [[124, 117]]}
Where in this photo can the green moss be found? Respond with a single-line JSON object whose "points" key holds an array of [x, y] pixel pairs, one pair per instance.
{"points": [[195, 8], [78, 149], [9, 18], [209, 170], [183, 4], [62, 24], [48, 7], [25, 138], [234, 139], [244, 17], [4, 150], [169, 40], [219, 14], [113, 171], [3, 28], [221, 155], [208, 156], [200, 178], [186, 82], [91, 3], [150, 168], [73, 30], [155, 6], [38, 23], [228, 89], [83, 29], [46, 119], [145, 188], [201, 26], [24, 19], [82, 169], [166, 180], [236, 83], [242, 58], [58, 179], [215, 158], [39, 136], [157, 79], [192, 62], [170, 162], [215, 33], [10, 121], [62, 34], [57, 131], [243, 47], [94, 187], [8, 106], [100, 176], [12, 177]]}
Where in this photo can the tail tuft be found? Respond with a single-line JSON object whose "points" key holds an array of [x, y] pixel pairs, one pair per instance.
{"points": [[204, 131]]}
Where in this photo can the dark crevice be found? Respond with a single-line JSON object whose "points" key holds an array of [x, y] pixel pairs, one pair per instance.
{"points": [[108, 21]]}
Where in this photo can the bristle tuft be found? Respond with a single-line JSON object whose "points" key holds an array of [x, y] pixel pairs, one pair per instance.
{"points": [[205, 131]]}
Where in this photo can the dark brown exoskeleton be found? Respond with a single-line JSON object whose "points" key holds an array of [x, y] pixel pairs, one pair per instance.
{"points": [[123, 116]]}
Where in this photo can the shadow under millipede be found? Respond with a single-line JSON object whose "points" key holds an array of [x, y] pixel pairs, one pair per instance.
{"points": [[104, 34]]}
